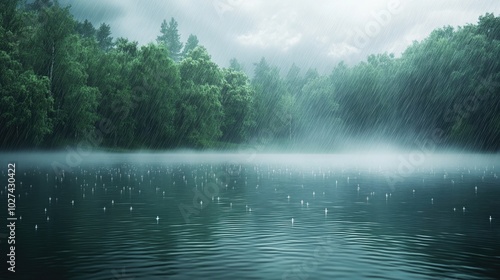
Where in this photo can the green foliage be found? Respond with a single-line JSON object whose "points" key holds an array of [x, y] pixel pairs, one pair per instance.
{"points": [[271, 110], [107, 72], [235, 65], [155, 84], [87, 30], [200, 69], [61, 80], [39, 5], [103, 36], [25, 97], [25, 107], [171, 39], [489, 25], [237, 101], [55, 25], [191, 44], [199, 119], [200, 115]]}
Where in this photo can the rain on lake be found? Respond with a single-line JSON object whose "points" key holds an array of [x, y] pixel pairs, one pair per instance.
{"points": [[186, 216], [230, 139]]}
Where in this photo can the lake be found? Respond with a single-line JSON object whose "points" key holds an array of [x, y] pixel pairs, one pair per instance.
{"points": [[253, 216]]}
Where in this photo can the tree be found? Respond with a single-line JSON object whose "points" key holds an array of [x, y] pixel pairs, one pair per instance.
{"points": [[111, 73], [319, 121], [10, 21], [271, 109], [103, 36], [200, 69], [86, 29], [170, 38], [56, 24], [155, 84], [489, 25], [200, 114], [294, 82], [191, 44], [25, 105], [76, 102], [39, 5], [59, 79], [124, 46], [235, 65], [25, 97], [237, 103]]}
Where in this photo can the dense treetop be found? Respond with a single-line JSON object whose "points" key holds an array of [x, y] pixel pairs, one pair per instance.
{"points": [[67, 82]]}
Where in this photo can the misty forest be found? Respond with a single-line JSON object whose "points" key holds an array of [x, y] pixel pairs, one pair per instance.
{"points": [[64, 81], [232, 139]]}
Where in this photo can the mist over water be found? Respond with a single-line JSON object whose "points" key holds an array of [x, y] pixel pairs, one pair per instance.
{"points": [[364, 158], [248, 215]]}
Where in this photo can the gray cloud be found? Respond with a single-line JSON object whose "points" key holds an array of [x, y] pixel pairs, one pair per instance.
{"points": [[309, 33], [95, 11]]}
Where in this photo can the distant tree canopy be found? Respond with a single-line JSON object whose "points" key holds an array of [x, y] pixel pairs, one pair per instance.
{"points": [[171, 39], [63, 81]]}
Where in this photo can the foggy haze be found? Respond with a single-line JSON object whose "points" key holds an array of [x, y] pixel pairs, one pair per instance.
{"points": [[316, 34]]}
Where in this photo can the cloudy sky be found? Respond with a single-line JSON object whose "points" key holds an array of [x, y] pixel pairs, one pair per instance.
{"points": [[318, 33]]}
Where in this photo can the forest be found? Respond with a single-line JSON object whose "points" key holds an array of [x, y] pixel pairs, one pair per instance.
{"points": [[64, 82]]}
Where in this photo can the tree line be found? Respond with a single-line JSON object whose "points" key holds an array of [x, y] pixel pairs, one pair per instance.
{"points": [[64, 81]]}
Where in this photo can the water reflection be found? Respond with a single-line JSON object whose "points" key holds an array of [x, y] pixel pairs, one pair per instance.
{"points": [[184, 217]]}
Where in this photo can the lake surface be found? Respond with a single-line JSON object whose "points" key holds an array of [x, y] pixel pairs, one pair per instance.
{"points": [[230, 216]]}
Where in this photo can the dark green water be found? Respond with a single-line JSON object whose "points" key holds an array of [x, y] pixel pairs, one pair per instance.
{"points": [[100, 219]]}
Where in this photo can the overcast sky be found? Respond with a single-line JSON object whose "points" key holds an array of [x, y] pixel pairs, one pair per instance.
{"points": [[315, 33]]}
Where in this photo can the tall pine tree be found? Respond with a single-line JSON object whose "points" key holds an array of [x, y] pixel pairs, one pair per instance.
{"points": [[191, 44], [171, 39]]}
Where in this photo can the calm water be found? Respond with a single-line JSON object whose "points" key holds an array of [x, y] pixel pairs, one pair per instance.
{"points": [[99, 220]]}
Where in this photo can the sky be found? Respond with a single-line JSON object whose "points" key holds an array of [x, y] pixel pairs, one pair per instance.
{"points": [[312, 34]]}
